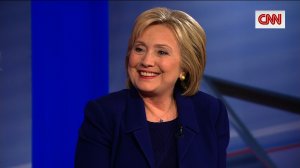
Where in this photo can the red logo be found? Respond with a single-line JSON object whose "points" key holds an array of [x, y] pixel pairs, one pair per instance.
{"points": [[270, 19], [266, 19]]}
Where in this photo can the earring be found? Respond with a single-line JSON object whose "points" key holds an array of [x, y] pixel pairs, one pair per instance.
{"points": [[182, 76]]}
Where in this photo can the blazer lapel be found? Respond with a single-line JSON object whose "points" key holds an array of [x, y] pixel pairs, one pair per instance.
{"points": [[143, 138], [136, 123], [188, 122]]}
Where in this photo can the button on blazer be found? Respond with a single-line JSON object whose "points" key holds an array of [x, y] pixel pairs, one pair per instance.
{"points": [[114, 133]]}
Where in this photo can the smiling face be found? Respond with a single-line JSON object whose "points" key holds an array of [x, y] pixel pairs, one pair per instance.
{"points": [[154, 61]]}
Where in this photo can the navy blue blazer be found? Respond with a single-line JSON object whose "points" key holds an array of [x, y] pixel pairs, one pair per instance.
{"points": [[115, 132]]}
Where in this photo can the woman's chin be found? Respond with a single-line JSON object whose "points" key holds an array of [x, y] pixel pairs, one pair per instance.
{"points": [[147, 91]]}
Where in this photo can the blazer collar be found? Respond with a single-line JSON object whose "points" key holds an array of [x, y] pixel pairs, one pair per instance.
{"points": [[188, 123], [186, 112], [135, 113], [136, 116]]}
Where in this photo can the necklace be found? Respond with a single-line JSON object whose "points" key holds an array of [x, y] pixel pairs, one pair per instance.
{"points": [[162, 116]]}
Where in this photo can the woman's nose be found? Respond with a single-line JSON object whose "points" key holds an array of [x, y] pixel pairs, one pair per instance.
{"points": [[148, 60]]}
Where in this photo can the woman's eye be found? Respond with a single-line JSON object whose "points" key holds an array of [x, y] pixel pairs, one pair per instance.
{"points": [[138, 49], [162, 52]]}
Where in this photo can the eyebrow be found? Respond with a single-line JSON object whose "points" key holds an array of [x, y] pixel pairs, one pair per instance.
{"points": [[156, 45]]}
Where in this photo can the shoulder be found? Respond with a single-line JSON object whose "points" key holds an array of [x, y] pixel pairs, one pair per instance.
{"points": [[202, 98], [108, 106], [116, 98], [209, 105], [102, 117]]}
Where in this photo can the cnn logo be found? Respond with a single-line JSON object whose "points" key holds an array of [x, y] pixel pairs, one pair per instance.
{"points": [[270, 19]]}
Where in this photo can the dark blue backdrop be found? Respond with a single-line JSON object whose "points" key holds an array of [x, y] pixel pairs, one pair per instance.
{"points": [[69, 66]]}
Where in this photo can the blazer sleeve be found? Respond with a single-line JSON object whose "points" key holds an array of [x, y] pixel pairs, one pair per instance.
{"points": [[223, 135], [95, 137]]}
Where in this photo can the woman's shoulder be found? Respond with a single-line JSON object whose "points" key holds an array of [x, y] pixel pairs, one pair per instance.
{"points": [[111, 104], [209, 105], [114, 97], [204, 98]]}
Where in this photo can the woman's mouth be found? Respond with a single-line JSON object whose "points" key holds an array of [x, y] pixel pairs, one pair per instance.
{"points": [[148, 74]]}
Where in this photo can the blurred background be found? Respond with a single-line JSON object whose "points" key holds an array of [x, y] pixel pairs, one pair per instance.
{"points": [[15, 84], [262, 60]]}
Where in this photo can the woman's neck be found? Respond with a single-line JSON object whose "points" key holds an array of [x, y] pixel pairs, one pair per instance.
{"points": [[160, 108]]}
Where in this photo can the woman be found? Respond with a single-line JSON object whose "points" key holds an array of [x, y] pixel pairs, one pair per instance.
{"points": [[162, 120]]}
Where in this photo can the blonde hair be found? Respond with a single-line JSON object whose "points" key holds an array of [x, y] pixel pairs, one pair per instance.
{"points": [[190, 37]]}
